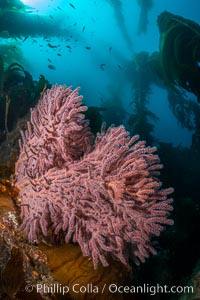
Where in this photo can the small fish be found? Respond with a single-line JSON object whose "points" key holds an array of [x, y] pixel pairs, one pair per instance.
{"points": [[83, 28], [34, 41], [49, 60], [75, 24], [25, 39], [110, 48], [50, 16], [59, 54], [72, 5], [70, 48], [119, 67], [59, 8], [40, 45], [51, 46], [51, 67], [87, 47], [102, 66]]}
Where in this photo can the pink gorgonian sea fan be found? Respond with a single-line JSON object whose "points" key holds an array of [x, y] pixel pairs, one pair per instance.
{"points": [[57, 133], [104, 195]]}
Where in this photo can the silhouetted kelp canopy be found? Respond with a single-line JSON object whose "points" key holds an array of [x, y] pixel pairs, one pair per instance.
{"points": [[118, 13], [145, 6], [18, 92], [12, 4], [17, 20], [180, 52], [17, 24], [141, 119]]}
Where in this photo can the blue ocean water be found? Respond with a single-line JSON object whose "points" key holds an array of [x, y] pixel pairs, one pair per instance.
{"points": [[94, 43]]}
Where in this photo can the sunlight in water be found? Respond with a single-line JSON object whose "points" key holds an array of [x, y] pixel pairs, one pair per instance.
{"points": [[38, 4], [32, 2]]}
